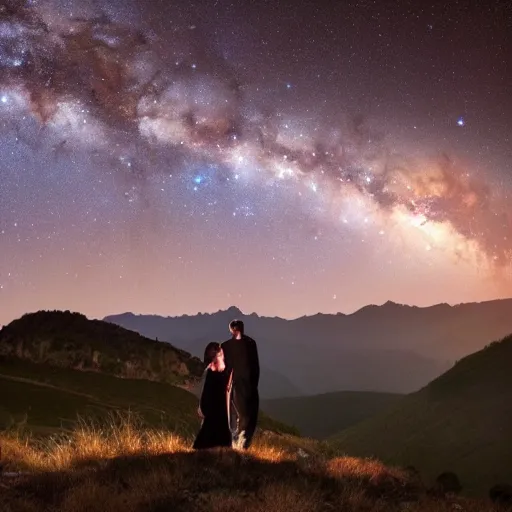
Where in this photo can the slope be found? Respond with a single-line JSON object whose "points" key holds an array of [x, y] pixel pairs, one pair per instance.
{"points": [[462, 422], [130, 470], [46, 399], [321, 416]]}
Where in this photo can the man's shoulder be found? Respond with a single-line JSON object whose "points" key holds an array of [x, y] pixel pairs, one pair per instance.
{"points": [[226, 343], [249, 339]]}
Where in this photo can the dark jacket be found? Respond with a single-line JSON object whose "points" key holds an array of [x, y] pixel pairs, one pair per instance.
{"points": [[241, 357]]}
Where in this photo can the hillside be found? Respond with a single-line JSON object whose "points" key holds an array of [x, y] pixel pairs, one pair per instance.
{"points": [[391, 348], [127, 469], [70, 340], [45, 399], [460, 422], [321, 416]]}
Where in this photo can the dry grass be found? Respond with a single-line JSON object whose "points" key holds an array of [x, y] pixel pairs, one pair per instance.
{"points": [[126, 468], [121, 437]]}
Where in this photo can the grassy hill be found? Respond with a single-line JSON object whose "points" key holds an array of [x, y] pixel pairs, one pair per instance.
{"points": [[46, 399], [321, 416], [124, 468], [461, 422], [70, 340]]}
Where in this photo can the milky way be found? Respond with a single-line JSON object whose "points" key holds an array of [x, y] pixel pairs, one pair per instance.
{"points": [[141, 105]]}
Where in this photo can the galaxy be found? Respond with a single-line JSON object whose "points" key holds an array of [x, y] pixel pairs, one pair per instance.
{"points": [[173, 157]]}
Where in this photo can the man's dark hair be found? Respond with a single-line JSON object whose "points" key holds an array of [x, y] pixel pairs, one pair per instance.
{"points": [[237, 325], [211, 351]]}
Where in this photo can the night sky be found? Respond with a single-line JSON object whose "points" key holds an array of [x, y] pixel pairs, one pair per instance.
{"points": [[285, 157]]}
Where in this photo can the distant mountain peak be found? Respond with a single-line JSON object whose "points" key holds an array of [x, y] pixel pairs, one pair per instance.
{"points": [[127, 314], [235, 311], [376, 307]]}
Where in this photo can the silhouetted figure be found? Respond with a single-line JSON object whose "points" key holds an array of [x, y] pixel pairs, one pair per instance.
{"points": [[213, 408], [241, 356]]}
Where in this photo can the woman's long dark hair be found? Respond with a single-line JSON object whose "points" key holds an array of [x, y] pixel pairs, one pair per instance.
{"points": [[211, 351]]}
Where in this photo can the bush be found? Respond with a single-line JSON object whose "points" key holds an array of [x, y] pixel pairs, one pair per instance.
{"points": [[501, 494], [413, 474], [448, 483]]}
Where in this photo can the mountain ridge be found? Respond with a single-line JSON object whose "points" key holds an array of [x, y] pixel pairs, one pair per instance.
{"points": [[235, 310], [392, 348]]}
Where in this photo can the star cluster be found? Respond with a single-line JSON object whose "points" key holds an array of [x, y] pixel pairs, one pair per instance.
{"points": [[153, 155]]}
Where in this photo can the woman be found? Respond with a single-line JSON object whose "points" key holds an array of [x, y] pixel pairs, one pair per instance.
{"points": [[214, 430]]}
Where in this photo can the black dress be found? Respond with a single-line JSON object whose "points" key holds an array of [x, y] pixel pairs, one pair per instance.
{"points": [[214, 430]]}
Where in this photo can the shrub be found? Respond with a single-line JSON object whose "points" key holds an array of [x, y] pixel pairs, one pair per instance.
{"points": [[448, 483], [501, 494]]}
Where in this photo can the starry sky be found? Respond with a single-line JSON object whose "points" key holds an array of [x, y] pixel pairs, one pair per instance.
{"points": [[285, 157]]}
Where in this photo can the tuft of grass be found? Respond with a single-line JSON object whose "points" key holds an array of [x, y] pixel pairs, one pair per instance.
{"points": [[370, 470], [122, 435], [121, 466]]}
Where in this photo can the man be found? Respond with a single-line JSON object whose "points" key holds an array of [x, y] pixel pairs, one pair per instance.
{"points": [[241, 357]]}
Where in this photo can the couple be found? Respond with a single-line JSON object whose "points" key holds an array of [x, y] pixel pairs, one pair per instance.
{"points": [[229, 400]]}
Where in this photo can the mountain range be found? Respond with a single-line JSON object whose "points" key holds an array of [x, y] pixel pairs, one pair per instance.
{"points": [[389, 348]]}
